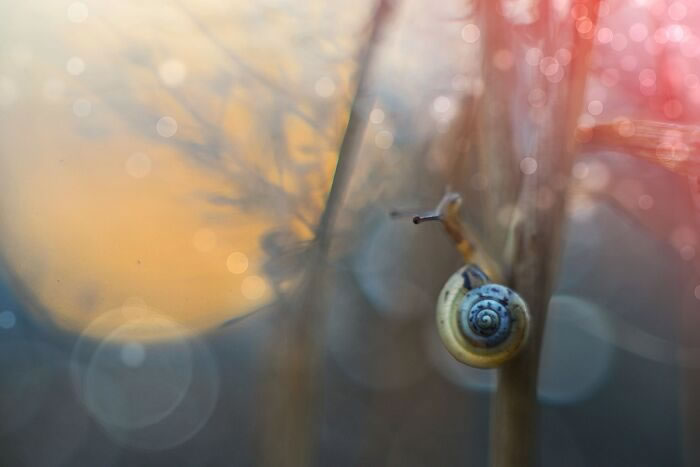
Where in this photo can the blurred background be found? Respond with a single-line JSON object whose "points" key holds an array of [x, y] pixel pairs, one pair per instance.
{"points": [[165, 166]]}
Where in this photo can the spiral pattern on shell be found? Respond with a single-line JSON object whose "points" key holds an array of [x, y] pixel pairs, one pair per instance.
{"points": [[482, 324]]}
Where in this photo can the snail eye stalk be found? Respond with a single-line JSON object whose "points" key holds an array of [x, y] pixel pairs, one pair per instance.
{"points": [[447, 212], [425, 218]]}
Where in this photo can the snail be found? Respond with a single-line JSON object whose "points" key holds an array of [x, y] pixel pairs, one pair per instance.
{"points": [[481, 323]]}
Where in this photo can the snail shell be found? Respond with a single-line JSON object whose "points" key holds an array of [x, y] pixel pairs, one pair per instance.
{"points": [[482, 324]]}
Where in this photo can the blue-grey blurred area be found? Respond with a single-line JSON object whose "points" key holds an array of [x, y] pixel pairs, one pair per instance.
{"points": [[392, 395], [144, 325]]}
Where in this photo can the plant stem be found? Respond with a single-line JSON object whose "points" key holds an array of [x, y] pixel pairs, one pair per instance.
{"points": [[536, 231], [291, 392]]}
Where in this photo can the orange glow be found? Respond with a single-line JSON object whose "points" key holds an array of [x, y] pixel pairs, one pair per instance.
{"points": [[106, 196]]}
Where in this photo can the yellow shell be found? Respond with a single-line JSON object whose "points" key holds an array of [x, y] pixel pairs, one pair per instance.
{"points": [[481, 324]]}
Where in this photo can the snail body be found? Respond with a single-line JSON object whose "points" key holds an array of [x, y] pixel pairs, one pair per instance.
{"points": [[482, 324]]}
